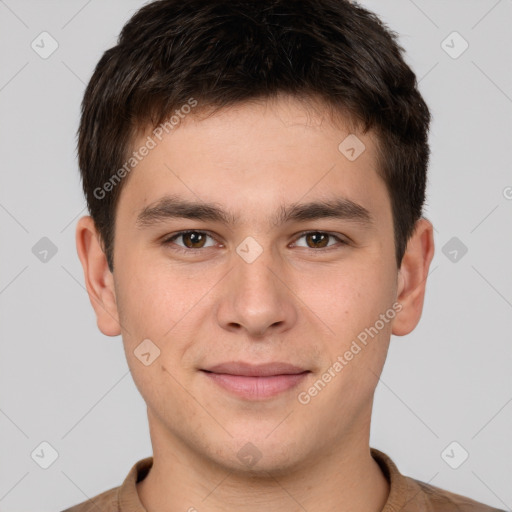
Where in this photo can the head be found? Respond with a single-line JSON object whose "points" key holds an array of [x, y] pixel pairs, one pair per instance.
{"points": [[290, 137]]}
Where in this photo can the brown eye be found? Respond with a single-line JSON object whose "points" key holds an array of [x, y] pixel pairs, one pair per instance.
{"points": [[194, 239], [185, 240], [317, 239]]}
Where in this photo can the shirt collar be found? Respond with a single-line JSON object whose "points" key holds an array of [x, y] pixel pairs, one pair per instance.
{"points": [[128, 499]]}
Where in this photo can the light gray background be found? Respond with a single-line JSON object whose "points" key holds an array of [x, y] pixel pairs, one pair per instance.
{"points": [[65, 383]]}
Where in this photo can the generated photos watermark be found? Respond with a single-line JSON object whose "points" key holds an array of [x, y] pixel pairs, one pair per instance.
{"points": [[305, 397], [150, 143]]}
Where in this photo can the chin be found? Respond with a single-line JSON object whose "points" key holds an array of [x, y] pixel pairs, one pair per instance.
{"points": [[260, 456]]}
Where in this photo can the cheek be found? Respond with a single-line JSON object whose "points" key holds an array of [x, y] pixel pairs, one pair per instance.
{"points": [[343, 303], [151, 305], [160, 303], [151, 296]]}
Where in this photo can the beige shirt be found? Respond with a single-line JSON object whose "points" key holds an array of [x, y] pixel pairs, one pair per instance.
{"points": [[406, 494]]}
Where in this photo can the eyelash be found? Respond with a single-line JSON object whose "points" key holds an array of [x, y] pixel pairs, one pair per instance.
{"points": [[169, 240]]}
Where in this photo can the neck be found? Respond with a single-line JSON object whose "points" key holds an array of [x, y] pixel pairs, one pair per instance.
{"points": [[347, 479]]}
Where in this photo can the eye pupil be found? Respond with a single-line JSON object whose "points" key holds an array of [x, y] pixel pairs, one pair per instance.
{"points": [[315, 237]]}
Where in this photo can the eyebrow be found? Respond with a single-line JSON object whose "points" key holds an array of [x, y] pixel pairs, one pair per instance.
{"points": [[175, 207]]}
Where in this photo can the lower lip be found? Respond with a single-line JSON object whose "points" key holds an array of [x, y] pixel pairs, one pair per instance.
{"points": [[254, 388]]}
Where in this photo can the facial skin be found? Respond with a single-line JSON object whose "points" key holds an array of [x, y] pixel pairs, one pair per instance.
{"points": [[297, 302]]}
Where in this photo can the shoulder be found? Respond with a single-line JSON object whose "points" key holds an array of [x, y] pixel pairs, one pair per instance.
{"points": [[408, 494], [106, 502], [430, 498], [122, 498]]}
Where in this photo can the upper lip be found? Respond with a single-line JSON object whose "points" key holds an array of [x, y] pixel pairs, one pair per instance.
{"points": [[255, 370]]}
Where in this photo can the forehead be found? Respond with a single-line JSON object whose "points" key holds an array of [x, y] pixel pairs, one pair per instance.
{"points": [[255, 155]]}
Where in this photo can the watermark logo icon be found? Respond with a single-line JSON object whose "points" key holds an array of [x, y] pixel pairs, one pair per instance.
{"points": [[249, 455], [147, 352], [454, 249], [454, 455], [44, 250], [249, 250], [454, 45], [44, 45], [351, 147], [44, 455]]}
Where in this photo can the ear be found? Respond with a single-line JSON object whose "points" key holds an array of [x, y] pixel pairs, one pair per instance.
{"points": [[99, 281], [412, 277]]}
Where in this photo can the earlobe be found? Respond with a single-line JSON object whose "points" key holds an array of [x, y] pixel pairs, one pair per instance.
{"points": [[412, 277], [99, 281]]}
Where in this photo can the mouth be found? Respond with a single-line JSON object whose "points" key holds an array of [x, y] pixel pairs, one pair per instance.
{"points": [[256, 382]]}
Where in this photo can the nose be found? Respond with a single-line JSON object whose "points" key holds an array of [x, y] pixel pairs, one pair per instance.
{"points": [[256, 298]]}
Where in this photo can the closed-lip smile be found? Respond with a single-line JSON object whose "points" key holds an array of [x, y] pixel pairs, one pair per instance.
{"points": [[255, 381]]}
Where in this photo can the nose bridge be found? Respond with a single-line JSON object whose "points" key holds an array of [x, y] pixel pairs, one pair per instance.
{"points": [[257, 277]]}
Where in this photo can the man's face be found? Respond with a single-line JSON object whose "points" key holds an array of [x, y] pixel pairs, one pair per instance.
{"points": [[266, 288]]}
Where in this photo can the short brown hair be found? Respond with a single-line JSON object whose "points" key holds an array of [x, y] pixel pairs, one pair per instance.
{"points": [[222, 52]]}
